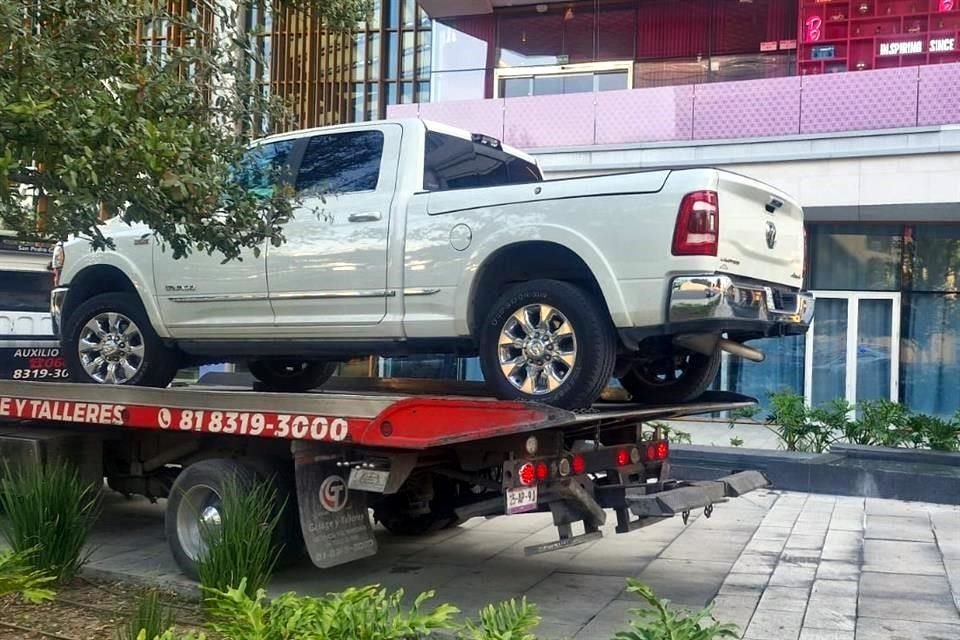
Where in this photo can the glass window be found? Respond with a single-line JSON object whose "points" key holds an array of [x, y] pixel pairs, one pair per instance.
{"points": [[376, 10], [373, 57], [930, 353], [424, 51], [373, 101], [392, 93], [393, 54], [531, 39], [359, 56], [782, 369], [25, 291], [579, 29], [515, 87], [458, 85], [409, 13], [406, 93], [262, 167], [341, 163], [616, 32], [462, 44], [613, 81], [423, 92], [452, 162], [855, 257], [547, 85], [406, 68], [936, 258], [393, 14], [358, 103]]}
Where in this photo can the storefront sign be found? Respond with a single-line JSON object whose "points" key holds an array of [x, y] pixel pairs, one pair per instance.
{"points": [[786, 45], [909, 47], [946, 5], [812, 29], [768, 46], [12, 244]]}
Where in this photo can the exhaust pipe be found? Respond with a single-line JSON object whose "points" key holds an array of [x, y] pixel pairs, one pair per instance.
{"points": [[707, 344]]}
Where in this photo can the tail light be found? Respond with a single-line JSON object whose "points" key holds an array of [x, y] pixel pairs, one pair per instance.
{"points": [[658, 451], [579, 464], [542, 471], [56, 263], [697, 231], [527, 474], [623, 458]]}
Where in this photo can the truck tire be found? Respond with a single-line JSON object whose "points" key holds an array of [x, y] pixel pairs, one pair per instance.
{"points": [[109, 340], [196, 494], [290, 376], [398, 512], [547, 341], [655, 383]]}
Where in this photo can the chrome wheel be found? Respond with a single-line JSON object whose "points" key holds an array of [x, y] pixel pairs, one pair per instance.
{"points": [[537, 349], [111, 348], [198, 516]]}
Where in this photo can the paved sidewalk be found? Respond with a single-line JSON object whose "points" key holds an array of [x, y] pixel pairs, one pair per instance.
{"points": [[782, 566]]}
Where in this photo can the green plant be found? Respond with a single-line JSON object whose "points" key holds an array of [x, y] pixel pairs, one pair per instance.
{"points": [[736, 442], [49, 515], [242, 548], [882, 422], [936, 433], [790, 419], [510, 620], [18, 576], [367, 613], [829, 422], [661, 622], [150, 618], [673, 434]]}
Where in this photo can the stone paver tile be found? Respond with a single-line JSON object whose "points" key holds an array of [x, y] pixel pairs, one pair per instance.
{"points": [[707, 546], [915, 528], [561, 598], [783, 599], [846, 523], [898, 508], [906, 597], [800, 557], [528, 523], [471, 547], [893, 556], [832, 605], [763, 545], [684, 582], [770, 532], [735, 609], [888, 629], [775, 625], [744, 584], [838, 570], [825, 634], [806, 541], [843, 545], [786, 575], [756, 563], [946, 522], [608, 621]]}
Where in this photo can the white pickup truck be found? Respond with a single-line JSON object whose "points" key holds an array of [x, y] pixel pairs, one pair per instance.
{"points": [[439, 241]]}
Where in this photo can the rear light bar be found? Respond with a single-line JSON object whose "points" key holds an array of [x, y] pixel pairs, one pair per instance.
{"points": [[697, 230], [530, 472]]}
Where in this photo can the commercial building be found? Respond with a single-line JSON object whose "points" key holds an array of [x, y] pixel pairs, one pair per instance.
{"points": [[851, 106]]}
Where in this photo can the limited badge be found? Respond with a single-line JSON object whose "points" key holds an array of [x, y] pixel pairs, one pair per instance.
{"points": [[333, 494]]}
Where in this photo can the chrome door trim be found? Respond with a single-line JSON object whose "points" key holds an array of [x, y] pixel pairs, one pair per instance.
{"points": [[332, 295], [232, 297], [420, 291]]}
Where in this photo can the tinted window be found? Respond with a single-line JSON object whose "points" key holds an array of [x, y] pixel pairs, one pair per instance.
{"points": [[263, 166], [341, 163], [456, 163], [25, 291]]}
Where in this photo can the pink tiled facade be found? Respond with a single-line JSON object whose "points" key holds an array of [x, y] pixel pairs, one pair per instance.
{"points": [[748, 109], [659, 114], [861, 101], [939, 95], [858, 101]]}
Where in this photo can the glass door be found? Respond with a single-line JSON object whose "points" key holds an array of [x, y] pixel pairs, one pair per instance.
{"points": [[853, 347]]}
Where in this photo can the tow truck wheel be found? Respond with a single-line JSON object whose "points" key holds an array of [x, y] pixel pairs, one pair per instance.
{"points": [[196, 502], [679, 377], [425, 506], [547, 341], [109, 340], [292, 376]]}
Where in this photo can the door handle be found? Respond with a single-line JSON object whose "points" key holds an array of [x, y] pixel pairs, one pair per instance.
{"points": [[369, 216]]}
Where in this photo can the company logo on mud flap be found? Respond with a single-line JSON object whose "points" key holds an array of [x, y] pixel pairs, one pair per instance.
{"points": [[333, 494]]}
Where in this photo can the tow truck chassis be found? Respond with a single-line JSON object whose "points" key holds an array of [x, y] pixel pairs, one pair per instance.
{"points": [[421, 454]]}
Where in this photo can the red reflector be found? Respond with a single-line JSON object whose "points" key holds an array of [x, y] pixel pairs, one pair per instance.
{"points": [[579, 464], [526, 474], [697, 231], [623, 458], [543, 471], [663, 450], [651, 452]]}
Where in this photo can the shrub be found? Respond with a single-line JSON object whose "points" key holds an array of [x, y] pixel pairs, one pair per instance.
{"points": [[935, 433], [882, 422], [18, 576], [367, 613], [49, 515], [510, 620], [243, 548], [790, 419], [151, 619], [661, 622]]}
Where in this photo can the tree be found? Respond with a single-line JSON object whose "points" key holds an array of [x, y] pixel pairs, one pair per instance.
{"points": [[91, 121]]}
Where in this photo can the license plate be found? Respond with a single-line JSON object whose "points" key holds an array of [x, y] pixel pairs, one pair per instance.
{"points": [[521, 499]]}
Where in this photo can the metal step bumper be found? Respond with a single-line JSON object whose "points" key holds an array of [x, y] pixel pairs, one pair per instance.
{"points": [[696, 495]]}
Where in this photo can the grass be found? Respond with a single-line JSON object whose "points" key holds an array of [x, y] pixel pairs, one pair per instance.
{"points": [[151, 618], [49, 515], [244, 546]]}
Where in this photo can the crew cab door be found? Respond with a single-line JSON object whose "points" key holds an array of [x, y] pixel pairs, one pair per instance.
{"points": [[203, 296], [332, 270]]}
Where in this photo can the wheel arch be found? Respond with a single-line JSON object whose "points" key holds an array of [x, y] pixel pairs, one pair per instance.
{"points": [[95, 279], [570, 259]]}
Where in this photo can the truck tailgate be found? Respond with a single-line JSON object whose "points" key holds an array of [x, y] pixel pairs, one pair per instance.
{"points": [[761, 231]]}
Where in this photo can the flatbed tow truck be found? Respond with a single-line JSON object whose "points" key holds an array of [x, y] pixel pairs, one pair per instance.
{"points": [[423, 455]]}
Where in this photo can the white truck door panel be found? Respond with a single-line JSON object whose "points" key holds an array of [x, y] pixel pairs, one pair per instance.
{"points": [[203, 296], [331, 272]]}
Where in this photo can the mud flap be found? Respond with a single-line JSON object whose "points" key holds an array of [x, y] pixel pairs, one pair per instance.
{"points": [[335, 520]]}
